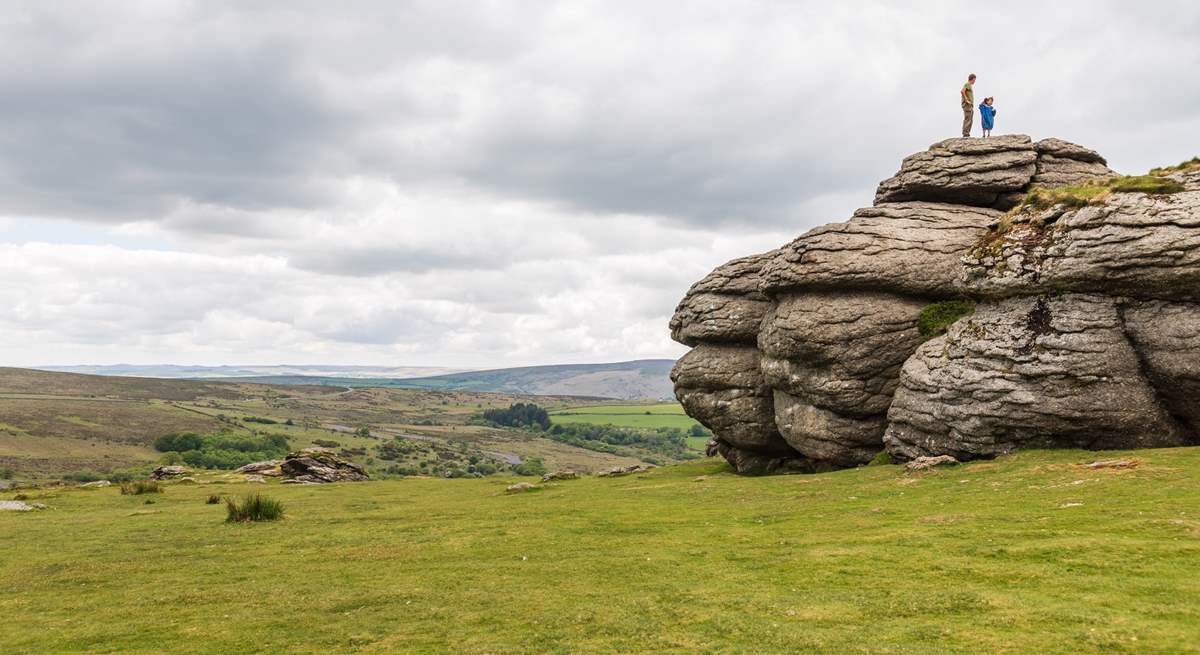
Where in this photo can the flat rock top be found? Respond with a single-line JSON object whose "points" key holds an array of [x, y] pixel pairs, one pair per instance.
{"points": [[974, 146]]}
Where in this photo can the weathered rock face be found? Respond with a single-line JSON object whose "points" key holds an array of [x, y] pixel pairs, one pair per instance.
{"points": [[1086, 331], [1132, 244], [1033, 371]]}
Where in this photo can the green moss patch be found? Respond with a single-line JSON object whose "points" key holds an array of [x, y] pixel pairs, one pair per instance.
{"points": [[938, 317]]}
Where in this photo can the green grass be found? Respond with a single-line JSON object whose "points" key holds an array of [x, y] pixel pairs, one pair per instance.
{"points": [[1031, 553], [662, 415]]}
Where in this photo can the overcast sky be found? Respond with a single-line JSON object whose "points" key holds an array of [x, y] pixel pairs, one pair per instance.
{"points": [[482, 184]]}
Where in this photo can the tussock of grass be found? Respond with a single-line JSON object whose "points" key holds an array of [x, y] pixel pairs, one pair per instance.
{"points": [[1188, 166], [253, 508], [212, 499], [935, 319], [139, 487]]}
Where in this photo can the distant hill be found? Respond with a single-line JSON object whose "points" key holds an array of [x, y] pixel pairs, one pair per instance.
{"points": [[638, 379], [253, 371], [643, 378]]}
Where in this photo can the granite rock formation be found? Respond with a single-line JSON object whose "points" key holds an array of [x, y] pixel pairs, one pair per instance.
{"points": [[1086, 329]]}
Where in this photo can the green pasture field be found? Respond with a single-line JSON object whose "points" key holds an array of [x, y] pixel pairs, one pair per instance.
{"points": [[1030, 553], [661, 415]]}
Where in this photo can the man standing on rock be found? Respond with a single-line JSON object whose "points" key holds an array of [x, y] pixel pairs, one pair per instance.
{"points": [[968, 104]]}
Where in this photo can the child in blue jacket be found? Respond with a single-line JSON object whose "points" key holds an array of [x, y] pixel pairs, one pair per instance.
{"points": [[987, 115]]}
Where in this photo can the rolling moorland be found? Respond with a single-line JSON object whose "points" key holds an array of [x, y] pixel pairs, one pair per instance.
{"points": [[62, 423]]}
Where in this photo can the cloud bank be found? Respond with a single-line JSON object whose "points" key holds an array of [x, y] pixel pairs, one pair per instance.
{"points": [[493, 183]]}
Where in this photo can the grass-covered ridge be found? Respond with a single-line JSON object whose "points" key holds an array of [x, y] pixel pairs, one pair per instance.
{"points": [[1031, 553], [1188, 166], [1095, 192]]}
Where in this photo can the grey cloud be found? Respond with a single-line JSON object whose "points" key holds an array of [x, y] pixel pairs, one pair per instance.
{"points": [[723, 114]]}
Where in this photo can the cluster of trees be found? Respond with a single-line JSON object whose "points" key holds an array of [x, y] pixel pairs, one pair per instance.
{"points": [[519, 415], [222, 450], [410, 457]]}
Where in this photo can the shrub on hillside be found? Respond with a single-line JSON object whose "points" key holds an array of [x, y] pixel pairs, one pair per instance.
{"points": [[253, 508], [259, 419], [223, 450], [139, 487], [531, 466], [327, 443], [212, 499]]}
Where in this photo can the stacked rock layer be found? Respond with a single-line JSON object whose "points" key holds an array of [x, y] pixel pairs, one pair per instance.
{"points": [[1086, 331]]}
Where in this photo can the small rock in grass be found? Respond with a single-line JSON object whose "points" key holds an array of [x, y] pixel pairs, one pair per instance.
{"points": [[19, 506], [626, 470], [560, 475], [187, 480], [97, 483], [520, 487], [1112, 464], [165, 472], [926, 463], [256, 478]]}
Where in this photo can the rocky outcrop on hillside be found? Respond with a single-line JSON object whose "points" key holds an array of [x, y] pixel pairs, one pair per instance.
{"points": [[320, 465], [1085, 332]]}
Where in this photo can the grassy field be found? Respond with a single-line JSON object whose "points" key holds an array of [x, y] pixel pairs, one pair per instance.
{"points": [[661, 415], [1031, 553]]}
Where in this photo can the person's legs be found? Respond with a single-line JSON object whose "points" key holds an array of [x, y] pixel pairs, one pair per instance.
{"points": [[968, 118]]}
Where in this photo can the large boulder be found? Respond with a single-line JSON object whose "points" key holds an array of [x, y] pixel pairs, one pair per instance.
{"points": [[1032, 372], [988, 172], [320, 465], [723, 388], [910, 248], [833, 361], [724, 307], [1061, 163], [827, 350]]}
